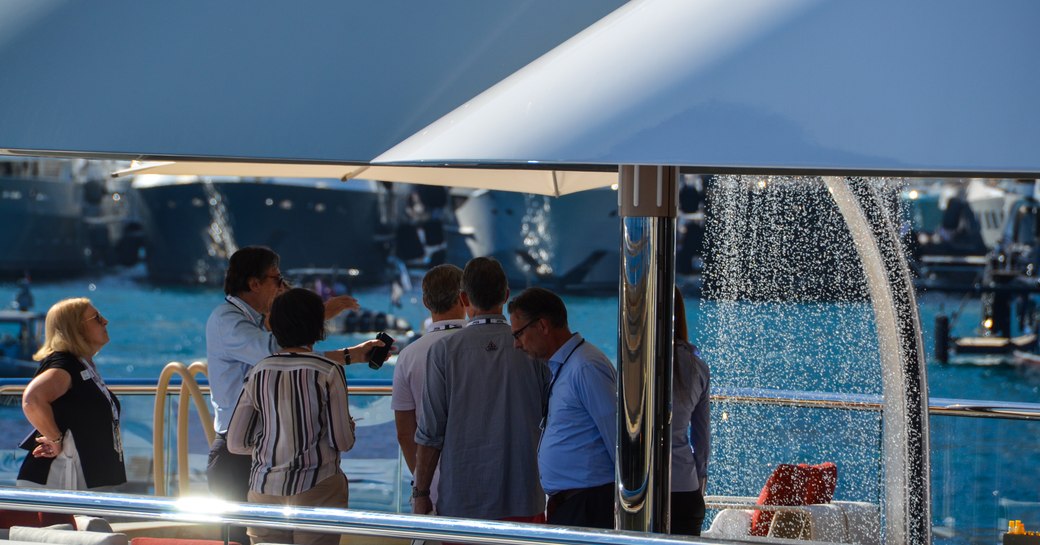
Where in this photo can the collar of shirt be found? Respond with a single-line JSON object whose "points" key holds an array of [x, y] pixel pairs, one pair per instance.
{"points": [[568, 348], [488, 318], [249, 311], [444, 325]]}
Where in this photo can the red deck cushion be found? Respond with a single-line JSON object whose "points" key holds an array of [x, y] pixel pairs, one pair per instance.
{"points": [[784, 487], [801, 484], [820, 482], [175, 541], [32, 519]]}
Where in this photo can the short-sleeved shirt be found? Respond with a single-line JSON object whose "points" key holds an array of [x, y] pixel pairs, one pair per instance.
{"points": [[235, 341], [691, 423], [410, 376], [294, 418], [481, 409], [580, 440]]}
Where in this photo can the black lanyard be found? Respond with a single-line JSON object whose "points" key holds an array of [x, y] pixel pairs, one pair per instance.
{"points": [[559, 371]]}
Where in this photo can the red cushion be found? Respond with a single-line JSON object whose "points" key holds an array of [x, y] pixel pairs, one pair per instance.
{"points": [[175, 541], [820, 482], [784, 487], [32, 519]]}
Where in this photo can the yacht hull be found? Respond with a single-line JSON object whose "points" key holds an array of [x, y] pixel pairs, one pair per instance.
{"points": [[43, 230], [567, 243], [194, 227]]}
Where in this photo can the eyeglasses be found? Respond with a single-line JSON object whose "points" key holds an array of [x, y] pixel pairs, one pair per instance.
{"points": [[97, 318], [280, 279], [519, 332]]}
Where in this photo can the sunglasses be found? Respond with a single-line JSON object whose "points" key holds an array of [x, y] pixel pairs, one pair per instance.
{"points": [[97, 318], [281, 279], [519, 332]]}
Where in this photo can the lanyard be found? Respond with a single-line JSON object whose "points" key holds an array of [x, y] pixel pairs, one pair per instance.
{"points": [[249, 316], [96, 378], [443, 327], [91, 372], [559, 371], [482, 321]]}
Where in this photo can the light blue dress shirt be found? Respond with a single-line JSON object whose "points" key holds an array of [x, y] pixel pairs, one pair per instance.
{"points": [[691, 422], [235, 341], [579, 442]]}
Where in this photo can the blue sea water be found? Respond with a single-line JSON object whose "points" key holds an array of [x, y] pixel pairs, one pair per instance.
{"points": [[983, 469]]}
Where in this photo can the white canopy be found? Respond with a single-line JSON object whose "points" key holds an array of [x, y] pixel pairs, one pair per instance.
{"points": [[889, 86], [261, 80]]}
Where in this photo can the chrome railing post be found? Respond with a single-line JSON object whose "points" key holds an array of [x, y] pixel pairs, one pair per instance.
{"points": [[647, 201]]}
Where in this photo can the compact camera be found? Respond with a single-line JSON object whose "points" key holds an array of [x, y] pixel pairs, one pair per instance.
{"points": [[378, 356]]}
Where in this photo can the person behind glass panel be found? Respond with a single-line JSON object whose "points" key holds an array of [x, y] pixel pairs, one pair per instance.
{"points": [[691, 429]]}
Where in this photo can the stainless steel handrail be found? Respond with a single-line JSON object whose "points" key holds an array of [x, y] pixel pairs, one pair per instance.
{"points": [[937, 406], [345, 521]]}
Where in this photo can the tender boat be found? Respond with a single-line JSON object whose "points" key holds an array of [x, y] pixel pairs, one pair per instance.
{"points": [[21, 332]]}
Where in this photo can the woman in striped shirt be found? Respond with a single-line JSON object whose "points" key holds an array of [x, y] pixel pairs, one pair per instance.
{"points": [[294, 418]]}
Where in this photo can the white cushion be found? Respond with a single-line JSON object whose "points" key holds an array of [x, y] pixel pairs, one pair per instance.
{"points": [[864, 522], [85, 523], [730, 523], [66, 537]]}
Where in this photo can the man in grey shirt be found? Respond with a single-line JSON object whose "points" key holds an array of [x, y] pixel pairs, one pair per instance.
{"points": [[481, 410], [440, 294]]}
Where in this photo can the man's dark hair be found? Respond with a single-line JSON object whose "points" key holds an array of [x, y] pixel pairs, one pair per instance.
{"points": [[440, 288], [298, 318], [246, 263], [485, 283], [537, 303]]}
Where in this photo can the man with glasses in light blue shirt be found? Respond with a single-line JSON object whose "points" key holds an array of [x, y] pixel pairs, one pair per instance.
{"points": [[237, 338], [577, 451]]}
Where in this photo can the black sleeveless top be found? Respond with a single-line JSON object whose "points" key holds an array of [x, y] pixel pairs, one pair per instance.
{"points": [[86, 411]]}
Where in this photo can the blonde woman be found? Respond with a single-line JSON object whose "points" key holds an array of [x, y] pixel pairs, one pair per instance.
{"points": [[76, 442]]}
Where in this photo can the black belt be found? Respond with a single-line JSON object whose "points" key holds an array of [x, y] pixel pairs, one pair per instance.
{"points": [[565, 495]]}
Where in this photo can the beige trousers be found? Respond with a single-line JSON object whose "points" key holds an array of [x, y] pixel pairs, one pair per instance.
{"points": [[331, 492]]}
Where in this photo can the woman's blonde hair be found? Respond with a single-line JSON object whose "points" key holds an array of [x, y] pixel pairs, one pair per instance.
{"points": [[64, 329]]}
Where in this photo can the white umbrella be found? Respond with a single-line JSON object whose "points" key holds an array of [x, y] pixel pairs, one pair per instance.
{"points": [[326, 81], [531, 180], [931, 86]]}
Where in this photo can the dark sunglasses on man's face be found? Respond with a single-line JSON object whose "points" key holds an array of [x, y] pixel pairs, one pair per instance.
{"points": [[519, 332], [281, 280]]}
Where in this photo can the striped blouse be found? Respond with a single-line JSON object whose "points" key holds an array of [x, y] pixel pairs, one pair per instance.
{"points": [[294, 418]]}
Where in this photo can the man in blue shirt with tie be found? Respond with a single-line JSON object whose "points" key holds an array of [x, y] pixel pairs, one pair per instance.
{"points": [[577, 451]]}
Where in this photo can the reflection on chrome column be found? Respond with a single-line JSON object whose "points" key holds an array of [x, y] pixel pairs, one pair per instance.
{"points": [[647, 203]]}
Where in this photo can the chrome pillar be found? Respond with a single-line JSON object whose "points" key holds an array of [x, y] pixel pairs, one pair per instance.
{"points": [[647, 202], [904, 381]]}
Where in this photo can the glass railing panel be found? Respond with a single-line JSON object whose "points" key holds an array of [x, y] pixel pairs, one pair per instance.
{"points": [[982, 477], [981, 474], [750, 440]]}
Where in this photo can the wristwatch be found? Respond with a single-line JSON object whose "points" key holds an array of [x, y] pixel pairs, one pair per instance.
{"points": [[416, 493], [346, 356]]}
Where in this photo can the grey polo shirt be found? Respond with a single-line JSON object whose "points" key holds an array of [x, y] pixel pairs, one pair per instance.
{"points": [[482, 407]]}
